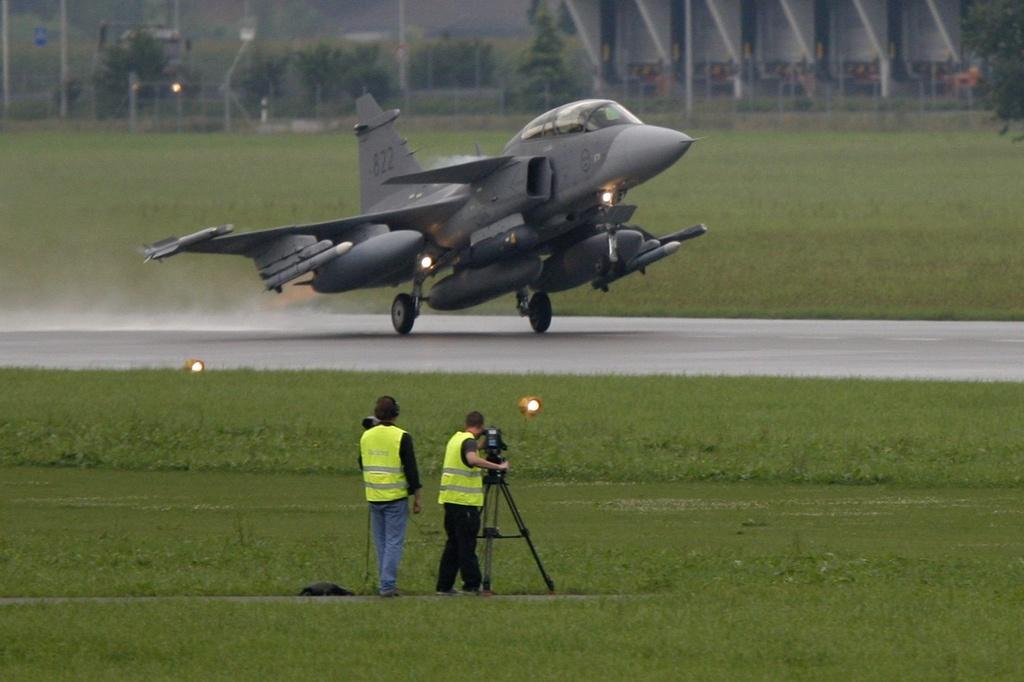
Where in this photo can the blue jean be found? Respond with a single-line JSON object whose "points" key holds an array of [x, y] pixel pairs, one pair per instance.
{"points": [[388, 521]]}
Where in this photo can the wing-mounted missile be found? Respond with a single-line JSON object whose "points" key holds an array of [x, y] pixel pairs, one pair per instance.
{"points": [[291, 257], [652, 251], [684, 234], [172, 245], [590, 259]]}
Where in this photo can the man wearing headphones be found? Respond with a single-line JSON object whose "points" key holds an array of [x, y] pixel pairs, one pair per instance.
{"points": [[388, 463]]}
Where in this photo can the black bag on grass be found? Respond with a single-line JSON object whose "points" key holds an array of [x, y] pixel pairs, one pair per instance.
{"points": [[324, 589]]}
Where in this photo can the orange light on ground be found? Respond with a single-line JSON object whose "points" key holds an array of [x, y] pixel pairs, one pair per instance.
{"points": [[529, 406]]}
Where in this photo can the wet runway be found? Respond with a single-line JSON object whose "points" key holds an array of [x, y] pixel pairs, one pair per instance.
{"points": [[574, 345]]}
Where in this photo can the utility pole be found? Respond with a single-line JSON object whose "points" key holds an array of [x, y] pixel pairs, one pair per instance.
{"points": [[689, 58], [403, 79], [247, 34], [63, 59], [133, 102], [6, 56], [177, 15]]}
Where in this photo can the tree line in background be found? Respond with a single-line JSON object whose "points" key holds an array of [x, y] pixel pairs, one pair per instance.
{"points": [[994, 31], [335, 74]]}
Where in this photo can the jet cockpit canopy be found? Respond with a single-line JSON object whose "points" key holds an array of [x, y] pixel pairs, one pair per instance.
{"points": [[578, 117]]}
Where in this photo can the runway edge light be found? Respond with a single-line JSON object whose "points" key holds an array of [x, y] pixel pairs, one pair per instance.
{"points": [[195, 366], [530, 405]]}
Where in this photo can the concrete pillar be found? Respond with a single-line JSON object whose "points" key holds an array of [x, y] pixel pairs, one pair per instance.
{"points": [[585, 16], [730, 42], [874, 35]]}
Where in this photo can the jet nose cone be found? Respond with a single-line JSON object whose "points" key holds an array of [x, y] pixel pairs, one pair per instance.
{"points": [[663, 146], [643, 151]]}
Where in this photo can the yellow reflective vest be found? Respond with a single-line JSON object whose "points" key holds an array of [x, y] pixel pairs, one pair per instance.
{"points": [[383, 475], [460, 484]]}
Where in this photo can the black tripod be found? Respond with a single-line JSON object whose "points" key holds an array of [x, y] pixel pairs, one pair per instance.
{"points": [[494, 481]]}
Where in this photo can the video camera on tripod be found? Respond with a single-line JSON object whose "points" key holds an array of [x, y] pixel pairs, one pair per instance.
{"points": [[496, 488], [493, 446]]}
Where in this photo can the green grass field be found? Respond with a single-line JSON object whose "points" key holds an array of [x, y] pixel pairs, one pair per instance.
{"points": [[812, 224], [722, 528], [719, 528], [634, 429], [691, 581]]}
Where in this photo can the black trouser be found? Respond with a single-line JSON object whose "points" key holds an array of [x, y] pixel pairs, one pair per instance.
{"points": [[461, 524]]}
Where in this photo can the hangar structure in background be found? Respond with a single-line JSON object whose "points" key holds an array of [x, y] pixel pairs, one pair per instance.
{"points": [[739, 46]]}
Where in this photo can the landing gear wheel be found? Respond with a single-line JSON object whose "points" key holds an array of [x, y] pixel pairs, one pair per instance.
{"points": [[403, 313], [540, 312]]}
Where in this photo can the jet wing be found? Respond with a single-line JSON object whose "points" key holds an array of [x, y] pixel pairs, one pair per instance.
{"points": [[251, 244], [462, 173]]}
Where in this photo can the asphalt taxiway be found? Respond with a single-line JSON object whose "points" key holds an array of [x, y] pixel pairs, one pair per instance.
{"points": [[574, 345]]}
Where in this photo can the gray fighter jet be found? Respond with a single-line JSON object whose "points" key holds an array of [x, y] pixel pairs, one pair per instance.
{"points": [[544, 216]]}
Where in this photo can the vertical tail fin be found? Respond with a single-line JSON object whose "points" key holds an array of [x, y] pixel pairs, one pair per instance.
{"points": [[382, 152]]}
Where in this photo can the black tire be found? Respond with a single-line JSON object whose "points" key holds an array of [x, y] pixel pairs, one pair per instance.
{"points": [[403, 313], [540, 312]]}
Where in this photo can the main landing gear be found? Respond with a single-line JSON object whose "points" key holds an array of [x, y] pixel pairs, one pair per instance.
{"points": [[537, 308], [406, 308], [403, 313]]}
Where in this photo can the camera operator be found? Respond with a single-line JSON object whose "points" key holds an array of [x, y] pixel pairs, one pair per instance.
{"points": [[462, 494], [390, 476]]}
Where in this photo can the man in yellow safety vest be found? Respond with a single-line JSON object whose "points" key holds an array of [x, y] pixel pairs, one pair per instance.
{"points": [[462, 494], [390, 476]]}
